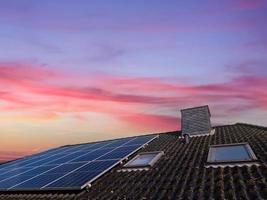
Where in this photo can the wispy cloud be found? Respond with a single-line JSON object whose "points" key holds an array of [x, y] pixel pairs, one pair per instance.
{"points": [[24, 71], [247, 4], [105, 53], [251, 67], [259, 45], [150, 121], [35, 88], [33, 17]]}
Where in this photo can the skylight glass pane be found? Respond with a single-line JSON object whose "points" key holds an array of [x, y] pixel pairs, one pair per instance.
{"points": [[230, 153], [144, 159]]}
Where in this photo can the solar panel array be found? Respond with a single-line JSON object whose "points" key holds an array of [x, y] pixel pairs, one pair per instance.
{"points": [[69, 167]]}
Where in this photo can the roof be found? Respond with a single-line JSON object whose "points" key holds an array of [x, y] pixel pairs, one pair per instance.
{"points": [[181, 172]]}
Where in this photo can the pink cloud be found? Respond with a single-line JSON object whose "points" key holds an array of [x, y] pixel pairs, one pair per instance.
{"points": [[27, 71], [42, 93], [256, 46], [152, 122], [250, 4]]}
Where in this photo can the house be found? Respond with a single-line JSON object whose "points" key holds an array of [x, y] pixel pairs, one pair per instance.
{"points": [[199, 162]]}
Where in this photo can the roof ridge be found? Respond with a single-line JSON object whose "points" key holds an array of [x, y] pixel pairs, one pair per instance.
{"points": [[146, 134], [67, 145], [251, 125]]}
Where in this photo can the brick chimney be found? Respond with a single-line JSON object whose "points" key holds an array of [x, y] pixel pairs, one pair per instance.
{"points": [[196, 121]]}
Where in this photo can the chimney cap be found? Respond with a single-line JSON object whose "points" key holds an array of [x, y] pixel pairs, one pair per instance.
{"points": [[193, 108]]}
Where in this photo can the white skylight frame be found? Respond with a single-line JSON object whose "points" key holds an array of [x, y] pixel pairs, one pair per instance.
{"points": [[157, 155], [212, 151]]}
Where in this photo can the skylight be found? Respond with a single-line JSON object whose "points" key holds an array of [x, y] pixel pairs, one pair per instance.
{"points": [[230, 153], [145, 159]]}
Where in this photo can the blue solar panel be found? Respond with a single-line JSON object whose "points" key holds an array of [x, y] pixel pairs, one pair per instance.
{"points": [[139, 140], [13, 173], [91, 155], [67, 158], [7, 183], [37, 182], [115, 155], [120, 152], [65, 168], [45, 160], [38, 170], [118, 143], [85, 147], [128, 148], [74, 180], [97, 165], [68, 167], [3, 171], [19, 163]]}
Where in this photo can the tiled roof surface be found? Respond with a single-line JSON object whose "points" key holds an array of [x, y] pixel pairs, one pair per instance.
{"points": [[181, 172]]}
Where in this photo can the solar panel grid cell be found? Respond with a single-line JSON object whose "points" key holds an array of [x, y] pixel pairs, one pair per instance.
{"points": [[19, 163], [46, 160], [73, 180], [65, 168], [39, 170], [14, 172], [95, 146], [140, 140], [67, 158], [37, 182], [22, 164], [91, 155], [3, 171], [120, 152], [13, 181], [89, 146], [118, 143], [127, 148], [114, 155], [6, 176], [97, 165]]}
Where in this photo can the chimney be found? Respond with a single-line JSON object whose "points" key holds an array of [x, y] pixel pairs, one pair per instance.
{"points": [[196, 121]]}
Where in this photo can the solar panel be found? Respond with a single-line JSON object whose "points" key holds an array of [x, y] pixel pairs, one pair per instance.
{"points": [[69, 167]]}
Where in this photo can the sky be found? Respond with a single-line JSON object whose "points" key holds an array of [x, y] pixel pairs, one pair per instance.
{"points": [[81, 71]]}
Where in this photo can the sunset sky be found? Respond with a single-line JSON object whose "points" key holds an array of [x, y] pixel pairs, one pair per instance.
{"points": [[76, 71]]}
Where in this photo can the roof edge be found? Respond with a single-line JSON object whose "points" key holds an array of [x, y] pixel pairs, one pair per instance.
{"points": [[251, 125]]}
